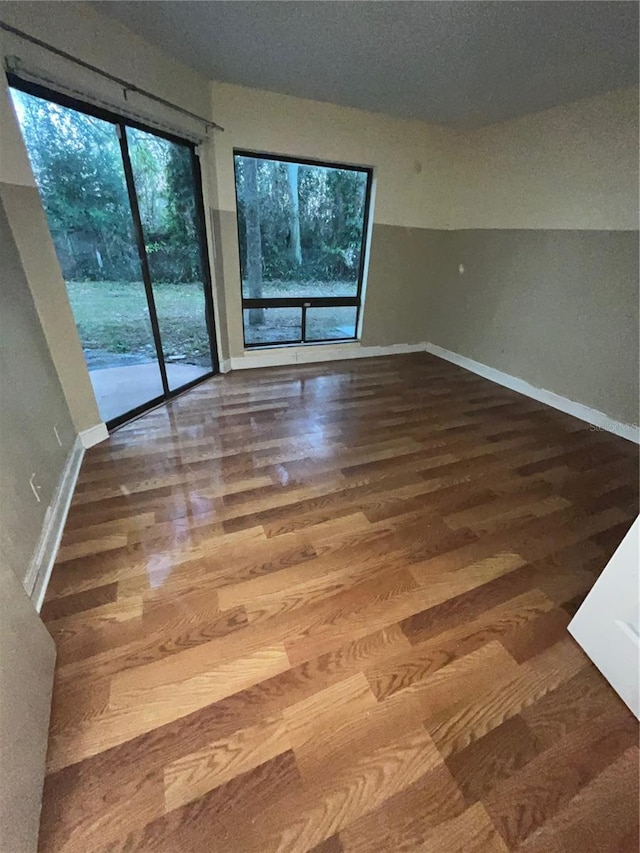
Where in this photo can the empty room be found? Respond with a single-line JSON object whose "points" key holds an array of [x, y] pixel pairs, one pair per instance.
{"points": [[319, 426]]}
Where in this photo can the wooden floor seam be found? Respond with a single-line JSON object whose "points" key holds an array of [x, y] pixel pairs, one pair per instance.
{"points": [[324, 608]]}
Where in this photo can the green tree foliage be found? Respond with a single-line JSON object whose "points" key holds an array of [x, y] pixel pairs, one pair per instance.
{"points": [[310, 217], [327, 220], [180, 202], [78, 167], [165, 188]]}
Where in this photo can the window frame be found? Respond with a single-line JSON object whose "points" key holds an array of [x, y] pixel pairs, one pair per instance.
{"points": [[305, 302]]}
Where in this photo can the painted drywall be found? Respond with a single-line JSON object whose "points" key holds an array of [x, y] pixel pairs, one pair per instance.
{"points": [[410, 158], [44, 280], [80, 30], [405, 265], [556, 308], [14, 162], [27, 658], [569, 168], [550, 288], [573, 167], [33, 403], [31, 233]]}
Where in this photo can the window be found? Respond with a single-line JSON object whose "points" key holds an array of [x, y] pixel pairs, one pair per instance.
{"points": [[302, 230]]}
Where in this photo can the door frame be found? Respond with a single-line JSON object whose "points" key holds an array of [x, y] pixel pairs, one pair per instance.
{"points": [[121, 122]]}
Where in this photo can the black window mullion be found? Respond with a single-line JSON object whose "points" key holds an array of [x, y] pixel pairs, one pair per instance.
{"points": [[363, 240], [358, 310], [204, 257], [142, 252], [299, 302]]}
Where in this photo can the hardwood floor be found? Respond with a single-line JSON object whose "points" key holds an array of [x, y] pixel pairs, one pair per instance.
{"points": [[324, 608]]}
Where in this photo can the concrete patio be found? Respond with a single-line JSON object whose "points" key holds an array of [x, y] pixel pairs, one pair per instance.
{"points": [[120, 389]]}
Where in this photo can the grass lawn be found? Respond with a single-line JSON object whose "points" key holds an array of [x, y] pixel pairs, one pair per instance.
{"points": [[114, 325], [112, 317], [280, 287]]}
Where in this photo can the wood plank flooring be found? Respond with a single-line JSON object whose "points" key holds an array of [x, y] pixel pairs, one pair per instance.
{"points": [[324, 608]]}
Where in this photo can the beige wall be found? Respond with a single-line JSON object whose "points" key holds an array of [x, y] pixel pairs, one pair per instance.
{"points": [[411, 159], [556, 308], [550, 288], [14, 162], [32, 405], [574, 167], [42, 273], [27, 658]]}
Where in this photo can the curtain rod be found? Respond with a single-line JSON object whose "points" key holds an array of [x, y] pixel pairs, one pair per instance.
{"points": [[125, 84]]}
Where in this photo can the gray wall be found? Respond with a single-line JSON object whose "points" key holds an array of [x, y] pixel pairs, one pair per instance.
{"points": [[556, 308], [405, 264], [32, 402], [27, 658], [24, 210]]}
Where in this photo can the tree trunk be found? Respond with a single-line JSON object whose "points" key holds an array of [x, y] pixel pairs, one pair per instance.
{"points": [[254, 239], [294, 223]]}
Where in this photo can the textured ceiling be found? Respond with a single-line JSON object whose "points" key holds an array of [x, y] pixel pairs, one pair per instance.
{"points": [[465, 63]]}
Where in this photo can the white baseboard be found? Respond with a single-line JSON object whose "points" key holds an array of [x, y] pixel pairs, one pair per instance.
{"points": [[225, 365], [93, 435], [45, 554], [598, 419], [288, 356]]}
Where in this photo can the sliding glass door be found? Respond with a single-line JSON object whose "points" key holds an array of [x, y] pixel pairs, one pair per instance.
{"points": [[124, 209], [165, 188], [302, 230]]}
